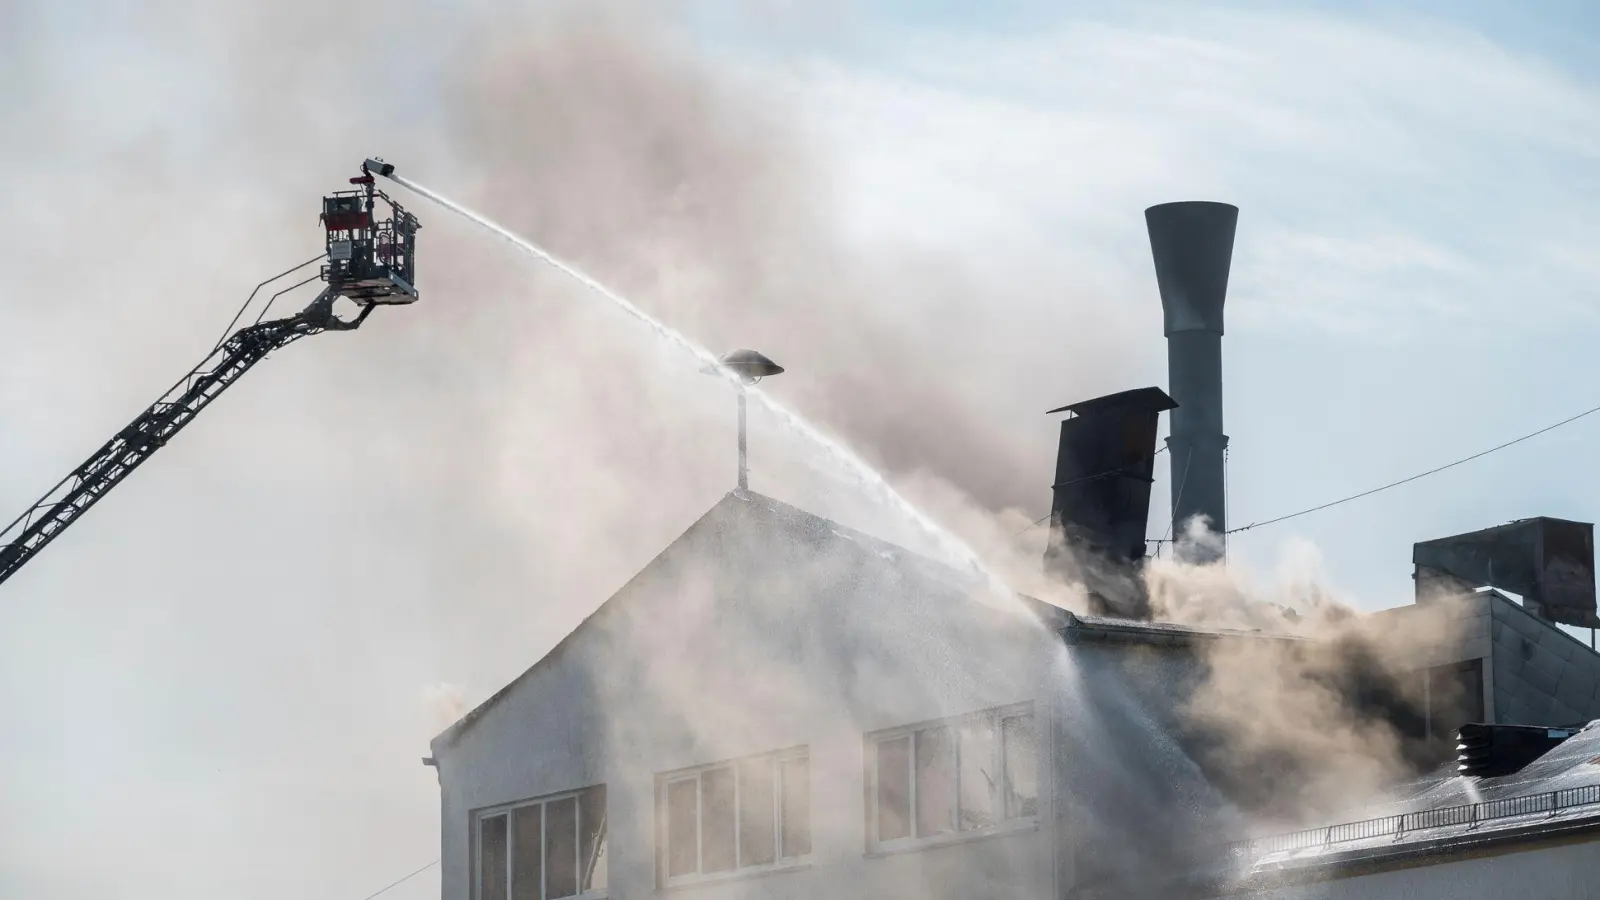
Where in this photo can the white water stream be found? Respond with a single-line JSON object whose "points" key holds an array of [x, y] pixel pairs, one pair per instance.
{"points": [[867, 477]]}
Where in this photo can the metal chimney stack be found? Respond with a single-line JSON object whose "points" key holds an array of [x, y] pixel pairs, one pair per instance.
{"points": [[1192, 243]]}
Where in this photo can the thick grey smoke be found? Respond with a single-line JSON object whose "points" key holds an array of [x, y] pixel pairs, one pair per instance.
{"points": [[259, 626], [376, 530]]}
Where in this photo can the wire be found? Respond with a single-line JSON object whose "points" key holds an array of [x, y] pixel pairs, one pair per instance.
{"points": [[1182, 480], [402, 881], [240, 314], [1036, 524], [1433, 471]]}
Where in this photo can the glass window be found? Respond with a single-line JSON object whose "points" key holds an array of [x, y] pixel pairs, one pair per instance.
{"points": [[683, 827], [757, 839], [544, 849], [592, 840], [717, 821], [1021, 767], [528, 867], [963, 775], [894, 789], [796, 807], [492, 858], [978, 787], [561, 848], [744, 814], [936, 781]]}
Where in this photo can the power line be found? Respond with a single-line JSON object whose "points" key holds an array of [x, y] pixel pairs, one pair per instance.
{"points": [[1182, 480], [1433, 471], [402, 881]]}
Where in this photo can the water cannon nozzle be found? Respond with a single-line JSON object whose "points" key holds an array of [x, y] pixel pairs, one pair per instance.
{"points": [[377, 166]]}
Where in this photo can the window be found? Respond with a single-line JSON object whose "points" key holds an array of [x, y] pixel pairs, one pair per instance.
{"points": [[543, 849], [958, 778], [744, 815]]}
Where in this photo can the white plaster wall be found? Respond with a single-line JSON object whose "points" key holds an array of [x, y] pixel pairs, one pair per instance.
{"points": [[693, 664]]}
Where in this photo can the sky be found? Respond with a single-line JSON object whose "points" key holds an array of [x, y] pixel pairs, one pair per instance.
{"points": [[932, 216]]}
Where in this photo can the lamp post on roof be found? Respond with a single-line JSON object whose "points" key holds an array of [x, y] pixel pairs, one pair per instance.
{"points": [[748, 367]]}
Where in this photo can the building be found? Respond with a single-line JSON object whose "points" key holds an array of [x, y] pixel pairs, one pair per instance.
{"points": [[779, 706]]}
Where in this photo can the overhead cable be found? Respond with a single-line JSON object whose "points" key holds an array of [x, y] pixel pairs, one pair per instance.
{"points": [[401, 881], [1433, 471]]}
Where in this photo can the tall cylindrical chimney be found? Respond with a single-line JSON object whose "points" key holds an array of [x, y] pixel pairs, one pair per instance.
{"points": [[1192, 243]]}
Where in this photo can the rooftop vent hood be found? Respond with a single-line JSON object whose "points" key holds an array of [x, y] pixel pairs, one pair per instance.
{"points": [[1488, 751]]}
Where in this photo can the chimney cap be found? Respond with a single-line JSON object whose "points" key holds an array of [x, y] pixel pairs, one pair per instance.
{"points": [[749, 365], [1149, 399]]}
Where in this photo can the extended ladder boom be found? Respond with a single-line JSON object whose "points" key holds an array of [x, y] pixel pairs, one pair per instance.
{"points": [[34, 529], [370, 260]]}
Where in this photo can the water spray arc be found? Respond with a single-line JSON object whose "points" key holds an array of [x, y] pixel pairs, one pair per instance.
{"points": [[868, 477]]}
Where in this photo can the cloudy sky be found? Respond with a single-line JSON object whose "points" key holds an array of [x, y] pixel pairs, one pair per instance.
{"points": [[223, 678]]}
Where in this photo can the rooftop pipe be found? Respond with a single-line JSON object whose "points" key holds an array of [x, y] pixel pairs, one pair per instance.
{"points": [[1192, 243]]}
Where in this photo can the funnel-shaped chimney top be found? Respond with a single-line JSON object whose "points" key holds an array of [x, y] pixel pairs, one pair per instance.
{"points": [[1192, 243]]}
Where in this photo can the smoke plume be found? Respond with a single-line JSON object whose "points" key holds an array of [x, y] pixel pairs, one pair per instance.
{"points": [[246, 632]]}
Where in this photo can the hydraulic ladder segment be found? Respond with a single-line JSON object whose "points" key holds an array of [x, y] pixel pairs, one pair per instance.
{"points": [[369, 260]]}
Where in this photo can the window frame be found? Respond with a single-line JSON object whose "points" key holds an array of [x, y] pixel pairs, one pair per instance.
{"points": [[508, 811], [995, 718], [775, 759]]}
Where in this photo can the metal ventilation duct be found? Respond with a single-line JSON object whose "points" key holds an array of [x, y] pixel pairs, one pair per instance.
{"points": [[1550, 562], [1192, 243], [1101, 496]]}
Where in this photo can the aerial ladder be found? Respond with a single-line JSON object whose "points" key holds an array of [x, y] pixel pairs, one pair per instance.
{"points": [[369, 259]]}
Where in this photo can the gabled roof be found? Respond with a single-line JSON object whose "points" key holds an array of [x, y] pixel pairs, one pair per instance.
{"points": [[756, 513], [773, 520]]}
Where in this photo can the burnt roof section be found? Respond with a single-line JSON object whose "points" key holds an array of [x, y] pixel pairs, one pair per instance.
{"points": [[1147, 399]]}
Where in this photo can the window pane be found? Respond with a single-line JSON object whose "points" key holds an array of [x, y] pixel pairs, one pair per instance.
{"points": [[716, 820], [1021, 766], [978, 785], [936, 781], [492, 857], [592, 839], [894, 789], [796, 807], [683, 854], [561, 848], [527, 853], [757, 845]]}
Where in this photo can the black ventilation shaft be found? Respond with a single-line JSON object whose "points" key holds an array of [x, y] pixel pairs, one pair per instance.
{"points": [[1192, 243], [1100, 502]]}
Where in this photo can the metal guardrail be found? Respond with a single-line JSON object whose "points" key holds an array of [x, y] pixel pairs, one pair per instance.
{"points": [[1471, 815]]}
